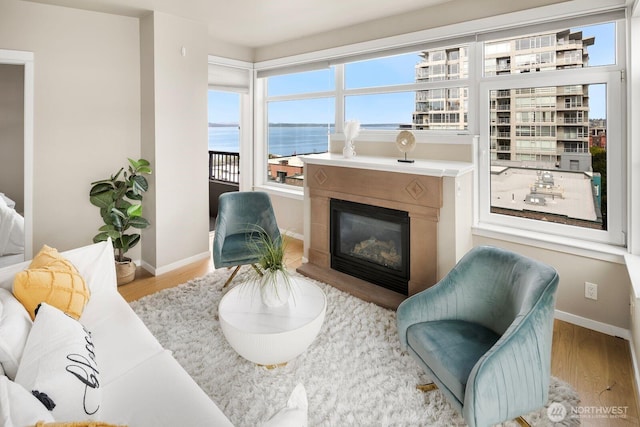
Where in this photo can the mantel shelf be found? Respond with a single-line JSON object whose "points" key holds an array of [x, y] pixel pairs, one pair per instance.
{"points": [[437, 168]]}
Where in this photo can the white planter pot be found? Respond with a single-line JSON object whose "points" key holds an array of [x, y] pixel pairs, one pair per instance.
{"points": [[275, 292]]}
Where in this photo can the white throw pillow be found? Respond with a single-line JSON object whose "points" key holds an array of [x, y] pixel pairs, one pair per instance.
{"points": [[15, 325], [58, 366], [295, 414], [18, 407]]}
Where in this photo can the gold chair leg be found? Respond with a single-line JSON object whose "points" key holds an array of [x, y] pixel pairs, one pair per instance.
{"points": [[522, 422], [271, 367], [231, 277], [257, 270], [427, 387]]}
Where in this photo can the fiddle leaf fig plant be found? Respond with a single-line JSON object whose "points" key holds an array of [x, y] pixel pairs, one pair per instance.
{"points": [[119, 199]]}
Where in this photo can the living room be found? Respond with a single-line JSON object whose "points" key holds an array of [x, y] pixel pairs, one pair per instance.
{"points": [[112, 83]]}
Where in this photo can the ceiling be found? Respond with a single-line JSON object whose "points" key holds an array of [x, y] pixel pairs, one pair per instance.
{"points": [[257, 23]]}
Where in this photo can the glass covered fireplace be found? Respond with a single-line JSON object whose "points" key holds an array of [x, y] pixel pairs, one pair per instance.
{"points": [[370, 243]]}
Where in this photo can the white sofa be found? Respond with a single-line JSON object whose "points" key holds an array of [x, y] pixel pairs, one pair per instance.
{"points": [[141, 383]]}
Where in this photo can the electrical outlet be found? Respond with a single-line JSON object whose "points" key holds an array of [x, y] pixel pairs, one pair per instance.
{"points": [[590, 290]]}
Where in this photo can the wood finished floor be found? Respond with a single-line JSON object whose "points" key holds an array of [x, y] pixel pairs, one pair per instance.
{"points": [[598, 366]]}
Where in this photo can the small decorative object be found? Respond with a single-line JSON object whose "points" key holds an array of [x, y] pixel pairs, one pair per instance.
{"points": [[272, 276], [351, 131], [406, 142], [119, 199]]}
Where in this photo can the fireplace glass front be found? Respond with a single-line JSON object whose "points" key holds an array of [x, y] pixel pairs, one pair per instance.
{"points": [[371, 243]]}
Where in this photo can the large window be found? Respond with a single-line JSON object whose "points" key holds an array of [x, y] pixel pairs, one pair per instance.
{"points": [[544, 170], [300, 117], [548, 105], [423, 90], [224, 136], [224, 121]]}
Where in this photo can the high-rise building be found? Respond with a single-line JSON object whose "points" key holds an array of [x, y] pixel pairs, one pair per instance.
{"points": [[442, 108], [544, 127]]}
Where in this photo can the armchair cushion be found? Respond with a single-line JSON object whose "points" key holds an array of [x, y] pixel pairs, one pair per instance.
{"points": [[234, 250], [451, 348]]}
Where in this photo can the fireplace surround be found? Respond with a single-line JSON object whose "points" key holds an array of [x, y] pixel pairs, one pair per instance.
{"points": [[436, 196]]}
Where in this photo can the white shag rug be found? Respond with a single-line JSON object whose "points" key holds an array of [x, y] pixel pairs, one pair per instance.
{"points": [[354, 372]]}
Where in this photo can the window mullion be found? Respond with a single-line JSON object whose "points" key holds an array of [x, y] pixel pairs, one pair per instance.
{"points": [[339, 97], [299, 96], [410, 87]]}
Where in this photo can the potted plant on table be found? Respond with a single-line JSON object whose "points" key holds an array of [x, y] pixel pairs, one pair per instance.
{"points": [[272, 276], [119, 199]]}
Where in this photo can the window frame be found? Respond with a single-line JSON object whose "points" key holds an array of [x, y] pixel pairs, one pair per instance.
{"points": [[340, 93], [616, 206], [478, 120]]}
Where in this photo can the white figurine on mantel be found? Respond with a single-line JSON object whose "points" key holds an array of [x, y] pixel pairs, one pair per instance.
{"points": [[351, 131]]}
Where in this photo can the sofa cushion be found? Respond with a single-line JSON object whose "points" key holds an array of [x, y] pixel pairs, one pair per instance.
{"points": [[59, 366], [164, 395], [451, 349], [52, 279], [18, 407], [122, 338], [15, 325]]}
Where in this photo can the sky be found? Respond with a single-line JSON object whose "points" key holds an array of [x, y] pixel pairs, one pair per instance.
{"points": [[382, 108]]}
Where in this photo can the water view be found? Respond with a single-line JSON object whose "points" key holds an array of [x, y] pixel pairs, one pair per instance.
{"points": [[286, 139]]}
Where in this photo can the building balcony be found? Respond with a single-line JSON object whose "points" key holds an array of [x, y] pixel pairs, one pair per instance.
{"points": [[502, 107]]}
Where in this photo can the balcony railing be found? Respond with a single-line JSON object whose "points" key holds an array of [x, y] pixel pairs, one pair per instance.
{"points": [[224, 166]]}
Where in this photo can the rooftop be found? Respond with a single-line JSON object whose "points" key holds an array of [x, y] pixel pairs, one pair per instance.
{"points": [[570, 195]]}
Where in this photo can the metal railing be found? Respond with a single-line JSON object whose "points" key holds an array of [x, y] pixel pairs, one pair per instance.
{"points": [[224, 166]]}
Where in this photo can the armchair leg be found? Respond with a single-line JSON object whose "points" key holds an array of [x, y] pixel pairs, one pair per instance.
{"points": [[427, 387], [231, 277], [522, 422], [257, 270]]}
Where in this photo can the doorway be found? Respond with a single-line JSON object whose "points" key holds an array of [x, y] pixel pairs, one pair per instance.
{"points": [[16, 156]]}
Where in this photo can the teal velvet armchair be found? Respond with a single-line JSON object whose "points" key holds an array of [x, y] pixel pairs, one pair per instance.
{"points": [[241, 214], [483, 334]]}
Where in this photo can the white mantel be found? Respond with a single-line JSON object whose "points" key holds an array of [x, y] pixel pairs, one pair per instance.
{"points": [[437, 168]]}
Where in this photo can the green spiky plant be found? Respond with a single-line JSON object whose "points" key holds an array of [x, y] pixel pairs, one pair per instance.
{"points": [[272, 257], [119, 199]]}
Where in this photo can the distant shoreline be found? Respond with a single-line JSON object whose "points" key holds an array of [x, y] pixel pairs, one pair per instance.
{"points": [[290, 125]]}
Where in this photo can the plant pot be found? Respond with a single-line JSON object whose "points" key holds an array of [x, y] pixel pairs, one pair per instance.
{"points": [[125, 271], [275, 288]]}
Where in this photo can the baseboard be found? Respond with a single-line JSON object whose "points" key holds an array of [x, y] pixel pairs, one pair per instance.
{"points": [[594, 325], [288, 233], [174, 265]]}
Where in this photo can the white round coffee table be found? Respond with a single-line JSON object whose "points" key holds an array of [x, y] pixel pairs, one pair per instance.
{"points": [[272, 336]]}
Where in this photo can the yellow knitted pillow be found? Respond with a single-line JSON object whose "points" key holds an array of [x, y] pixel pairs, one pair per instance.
{"points": [[52, 279], [49, 257]]}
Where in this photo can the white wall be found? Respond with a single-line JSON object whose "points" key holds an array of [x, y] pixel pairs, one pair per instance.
{"points": [[436, 16], [175, 81], [634, 173], [86, 114]]}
